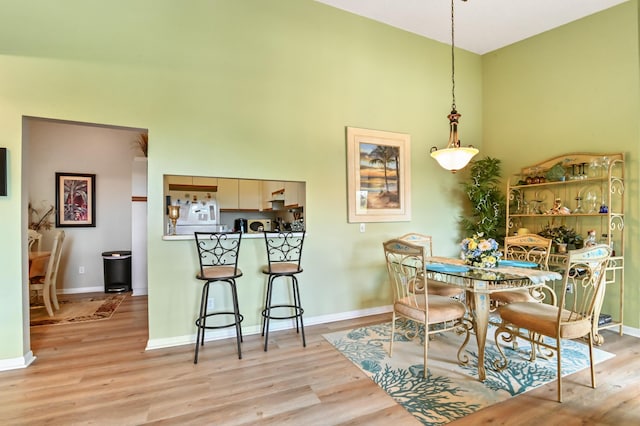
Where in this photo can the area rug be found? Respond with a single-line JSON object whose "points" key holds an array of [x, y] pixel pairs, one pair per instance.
{"points": [[450, 391], [78, 310]]}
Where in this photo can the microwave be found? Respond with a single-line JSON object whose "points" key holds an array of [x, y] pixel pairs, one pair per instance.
{"points": [[255, 226]]}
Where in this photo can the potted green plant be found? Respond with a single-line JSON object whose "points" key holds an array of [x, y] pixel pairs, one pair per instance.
{"points": [[488, 216], [564, 238]]}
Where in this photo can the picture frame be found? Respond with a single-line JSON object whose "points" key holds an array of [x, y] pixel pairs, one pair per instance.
{"points": [[75, 200], [378, 176]]}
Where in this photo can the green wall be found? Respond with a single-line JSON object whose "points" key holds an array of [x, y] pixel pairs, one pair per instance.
{"points": [[254, 89], [573, 89], [264, 89]]}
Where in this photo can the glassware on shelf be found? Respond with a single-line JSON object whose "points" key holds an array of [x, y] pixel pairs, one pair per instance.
{"points": [[583, 170], [605, 163], [578, 209], [537, 207], [595, 167], [592, 202]]}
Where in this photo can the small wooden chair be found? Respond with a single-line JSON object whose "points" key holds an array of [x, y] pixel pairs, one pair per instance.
{"points": [[47, 282], [34, 240]]}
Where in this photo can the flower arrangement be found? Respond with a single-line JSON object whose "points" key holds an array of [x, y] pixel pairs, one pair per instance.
{"points": [[42, 218], [480, 252]]}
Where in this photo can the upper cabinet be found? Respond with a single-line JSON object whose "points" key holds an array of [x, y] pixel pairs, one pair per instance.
{"points": [[294, 193], [272, 195], [249, 194], [227, 194], [235, 194]]}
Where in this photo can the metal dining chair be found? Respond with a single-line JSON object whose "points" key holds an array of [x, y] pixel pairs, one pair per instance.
{"points": [[545, 326]]}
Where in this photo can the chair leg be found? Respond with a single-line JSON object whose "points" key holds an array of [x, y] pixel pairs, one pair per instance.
{"points": [[267, 312], [298, 303], [201, 320], [46, 296], [593, 370], [559, 356], [54, 297], [426, 348], [236, 313]]}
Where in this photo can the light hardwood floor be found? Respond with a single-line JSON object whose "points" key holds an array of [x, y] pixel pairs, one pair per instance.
{"points": [[99, 373]]}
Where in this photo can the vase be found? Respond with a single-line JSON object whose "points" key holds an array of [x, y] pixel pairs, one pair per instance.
{"points": [[482, 262], [561, 248]]}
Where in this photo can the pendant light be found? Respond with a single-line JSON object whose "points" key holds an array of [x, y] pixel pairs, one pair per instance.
{"points": [[454, 157]]}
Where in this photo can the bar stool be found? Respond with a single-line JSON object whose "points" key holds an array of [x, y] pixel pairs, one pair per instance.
{"points": [[218, 256], [284, 250]]}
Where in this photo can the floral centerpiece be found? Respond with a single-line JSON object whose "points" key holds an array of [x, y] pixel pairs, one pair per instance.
{"points": [[480, 252]]}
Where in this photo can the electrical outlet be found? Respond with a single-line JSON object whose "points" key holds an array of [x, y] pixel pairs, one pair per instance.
{"points": [[362, 227], [569, 288], [210, 304], [81, 270]]}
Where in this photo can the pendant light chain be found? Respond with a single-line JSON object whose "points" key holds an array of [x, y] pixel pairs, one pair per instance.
{"points": [[453, 62]]}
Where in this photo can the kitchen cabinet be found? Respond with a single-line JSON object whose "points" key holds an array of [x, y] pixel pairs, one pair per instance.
{"points": [[294, 193], [272, 194], [227, 195], [249, 194], [239, 194], [204, 181], [580, 191]]}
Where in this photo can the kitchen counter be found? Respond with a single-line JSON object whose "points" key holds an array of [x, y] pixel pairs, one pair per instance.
{"points": [[182, 237]]}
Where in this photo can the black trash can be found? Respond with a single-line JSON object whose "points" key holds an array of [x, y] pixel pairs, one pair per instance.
{"points": [[117, 271]]}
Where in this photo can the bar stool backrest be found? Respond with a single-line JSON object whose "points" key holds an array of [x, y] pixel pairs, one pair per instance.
{"points": [[284, 251], [218, 251]]}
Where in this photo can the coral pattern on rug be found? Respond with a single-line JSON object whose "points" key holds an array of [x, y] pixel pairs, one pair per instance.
{"points": [[450, 391], [78, 310]]}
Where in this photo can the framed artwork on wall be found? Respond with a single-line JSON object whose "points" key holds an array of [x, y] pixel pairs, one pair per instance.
{"points": [[3, 171], [379, 176], [75, 200]]}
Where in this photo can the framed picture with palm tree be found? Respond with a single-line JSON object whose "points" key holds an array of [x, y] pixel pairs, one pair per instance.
{"points": [[379, 175], [75, 200]]}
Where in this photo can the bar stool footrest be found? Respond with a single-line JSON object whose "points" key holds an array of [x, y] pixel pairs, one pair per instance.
{"points": [[213, 327], [298, 314]]}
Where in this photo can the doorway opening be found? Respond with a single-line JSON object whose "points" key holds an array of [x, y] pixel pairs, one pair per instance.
{"points": [[115, 155]]}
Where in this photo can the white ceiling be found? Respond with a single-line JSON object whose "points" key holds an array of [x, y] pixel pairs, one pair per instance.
{"points": [[480, 25]]}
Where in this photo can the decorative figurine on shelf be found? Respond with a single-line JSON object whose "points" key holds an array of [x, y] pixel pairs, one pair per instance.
{"points": [[591, 238], [558, 208]]}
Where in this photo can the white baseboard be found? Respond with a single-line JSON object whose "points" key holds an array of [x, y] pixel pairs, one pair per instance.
{"points": [[276, 325], [17, 363], [635, 332]]}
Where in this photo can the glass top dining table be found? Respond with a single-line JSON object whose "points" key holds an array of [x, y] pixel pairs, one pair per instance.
{"points": [[478, 284]]}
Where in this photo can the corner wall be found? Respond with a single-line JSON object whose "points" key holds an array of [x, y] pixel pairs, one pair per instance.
{"points": [[573, 89]]}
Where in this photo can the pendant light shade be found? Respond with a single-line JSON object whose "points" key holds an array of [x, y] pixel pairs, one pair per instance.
{"points": [[454, 157]]}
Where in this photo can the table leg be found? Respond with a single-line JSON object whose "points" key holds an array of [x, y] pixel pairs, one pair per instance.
{"points": [[479, 309]]}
